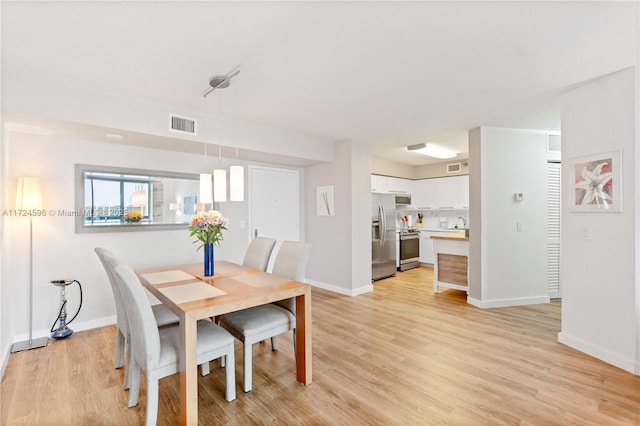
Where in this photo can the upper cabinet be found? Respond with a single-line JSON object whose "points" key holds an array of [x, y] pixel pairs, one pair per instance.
{"points": [[391, 185], [446, 193]]}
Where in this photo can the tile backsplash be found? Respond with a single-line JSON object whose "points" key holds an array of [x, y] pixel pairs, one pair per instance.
{"points": [[434, 219]]}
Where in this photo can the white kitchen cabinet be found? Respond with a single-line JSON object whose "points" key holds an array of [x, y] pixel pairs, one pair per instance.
{"points": [[426, 248], [423, 196], [391, 185], [446, 193]]}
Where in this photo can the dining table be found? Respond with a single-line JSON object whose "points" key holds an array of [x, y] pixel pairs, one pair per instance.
{"points": [[193, 297]]}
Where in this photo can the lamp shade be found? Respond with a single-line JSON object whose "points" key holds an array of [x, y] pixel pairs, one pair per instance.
{"points": [[236, 183], [219, 185], [174, 206], [28, 195], [205, 189], [139, 198]]}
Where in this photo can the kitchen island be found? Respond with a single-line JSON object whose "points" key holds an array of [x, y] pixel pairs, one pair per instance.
{"points": [[451, 266]]}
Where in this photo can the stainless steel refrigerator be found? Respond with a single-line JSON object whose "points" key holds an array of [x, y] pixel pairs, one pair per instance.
{"points": [[383, 236]]}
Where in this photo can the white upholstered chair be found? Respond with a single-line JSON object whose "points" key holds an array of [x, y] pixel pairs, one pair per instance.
{"points": [[268, 321], [163, 316], [258, 253], [157, 351]]}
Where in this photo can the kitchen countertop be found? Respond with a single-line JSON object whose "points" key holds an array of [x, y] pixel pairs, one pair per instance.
{"points": [[458, 236]]}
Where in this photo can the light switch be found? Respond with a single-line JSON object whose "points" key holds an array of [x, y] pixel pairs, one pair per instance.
{"points": [[586, 233], [243, 224], [519, 226]]}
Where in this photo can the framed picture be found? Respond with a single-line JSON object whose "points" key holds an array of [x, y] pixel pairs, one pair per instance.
{"points": [[597, 185], [189, 204], [324, 200]]}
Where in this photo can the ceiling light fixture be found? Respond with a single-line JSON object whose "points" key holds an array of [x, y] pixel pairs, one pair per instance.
{"points": [[236, 182], [432, 151], [221, 81], [219, 180]]}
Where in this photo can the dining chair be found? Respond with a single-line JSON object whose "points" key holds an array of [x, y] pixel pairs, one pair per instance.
{"points": [[255, 324], [157, 351], [258, 253], [162, 315]]}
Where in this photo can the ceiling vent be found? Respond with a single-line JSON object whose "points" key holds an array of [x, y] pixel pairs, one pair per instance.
{"points": [[184, 125]]}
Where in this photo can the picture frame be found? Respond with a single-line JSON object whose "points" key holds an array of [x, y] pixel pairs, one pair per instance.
{"points": [[597, 182], [324, 201]]}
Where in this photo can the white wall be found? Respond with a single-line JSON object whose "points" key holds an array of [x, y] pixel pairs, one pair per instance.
{"points": [[341, 256], [509, 266], [61, 253], [52, 96], [600, 307]]}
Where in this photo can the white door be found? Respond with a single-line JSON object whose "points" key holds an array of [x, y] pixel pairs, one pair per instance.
{"points": [[274, 205], [553, 231]]}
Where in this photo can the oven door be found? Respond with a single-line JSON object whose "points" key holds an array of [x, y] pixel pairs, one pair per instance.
{"points": [[409, 248]]}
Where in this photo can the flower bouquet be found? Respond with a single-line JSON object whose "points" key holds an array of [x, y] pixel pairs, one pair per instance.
{"points": [[133, 216], [207, 227]]}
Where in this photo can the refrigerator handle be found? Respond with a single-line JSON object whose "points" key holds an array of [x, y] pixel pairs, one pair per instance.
{"points": [[383, 225]]}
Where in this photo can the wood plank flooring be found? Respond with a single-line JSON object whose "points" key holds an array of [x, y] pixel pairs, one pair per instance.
{"points": [[400, 355]]}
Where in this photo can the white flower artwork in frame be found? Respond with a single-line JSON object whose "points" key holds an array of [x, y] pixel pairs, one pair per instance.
{"points": [[324, 200], [597, 183]]}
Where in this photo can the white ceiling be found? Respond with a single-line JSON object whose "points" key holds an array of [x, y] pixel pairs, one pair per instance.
{"points": [[388, 74]]}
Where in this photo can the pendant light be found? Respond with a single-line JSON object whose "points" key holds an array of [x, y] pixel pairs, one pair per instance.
{"points": [[219, 181], [236, 182], [205, 178]]}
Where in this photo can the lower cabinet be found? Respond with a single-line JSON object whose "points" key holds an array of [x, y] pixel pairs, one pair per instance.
{"points": [[426, 247]]}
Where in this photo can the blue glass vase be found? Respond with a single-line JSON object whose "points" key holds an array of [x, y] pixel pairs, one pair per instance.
{"points": [[208, 260]]}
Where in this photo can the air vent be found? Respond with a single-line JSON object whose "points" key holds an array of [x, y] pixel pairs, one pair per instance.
{"points": [[183, 124], [454, 168]]}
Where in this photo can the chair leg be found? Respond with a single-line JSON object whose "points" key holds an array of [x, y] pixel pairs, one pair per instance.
{"points": [[152, 401], [230, 374], [294, 343], [204, 368], [127, 371], [274, 343], [120, 350], [135, 383], [247, 367]]}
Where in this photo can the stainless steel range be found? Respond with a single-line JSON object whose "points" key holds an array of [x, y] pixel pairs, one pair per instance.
{"points": [[409, 249]]}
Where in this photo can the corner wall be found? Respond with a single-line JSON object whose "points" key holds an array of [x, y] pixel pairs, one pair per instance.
{"points": [[341, 259], [599, 276], [507, 265]]}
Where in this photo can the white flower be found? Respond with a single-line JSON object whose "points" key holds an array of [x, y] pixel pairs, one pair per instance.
{"points": [[593, 182]]}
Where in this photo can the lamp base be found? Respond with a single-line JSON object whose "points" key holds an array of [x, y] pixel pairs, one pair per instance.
{"points": [[30, 344]]}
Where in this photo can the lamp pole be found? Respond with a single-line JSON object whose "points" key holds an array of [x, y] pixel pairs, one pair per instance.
{"points": [[29, 198]]}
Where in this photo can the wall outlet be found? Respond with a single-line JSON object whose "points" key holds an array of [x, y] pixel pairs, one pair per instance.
{"points": [[519, 226], [586, 233]]}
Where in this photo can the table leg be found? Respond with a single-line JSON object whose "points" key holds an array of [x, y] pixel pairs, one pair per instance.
{"points": [[188, 370], [303, 338]]}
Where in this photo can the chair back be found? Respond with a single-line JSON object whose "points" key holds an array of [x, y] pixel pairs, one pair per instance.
{"points": [[291, 262], [121, 316], [143, 329], [258, 253]]}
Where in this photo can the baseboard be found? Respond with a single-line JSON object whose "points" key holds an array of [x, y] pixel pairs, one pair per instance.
{"points": [[75, 326], [625, 363], [505, 303], [5, 361], [341, 290]]}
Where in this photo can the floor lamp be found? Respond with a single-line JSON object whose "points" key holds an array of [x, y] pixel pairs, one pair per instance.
{"points": [[29, 197]]}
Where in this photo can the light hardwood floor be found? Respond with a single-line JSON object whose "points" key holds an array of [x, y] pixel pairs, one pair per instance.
{"points": [[399, 355]]}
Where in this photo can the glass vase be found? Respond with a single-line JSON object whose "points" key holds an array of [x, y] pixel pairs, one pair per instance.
{"points": [[208, 260]]}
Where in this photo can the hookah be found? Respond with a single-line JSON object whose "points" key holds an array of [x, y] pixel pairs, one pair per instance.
{"points": [[63, 331]]}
